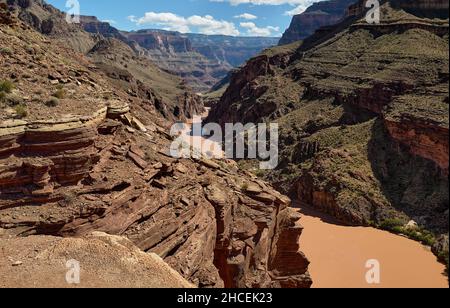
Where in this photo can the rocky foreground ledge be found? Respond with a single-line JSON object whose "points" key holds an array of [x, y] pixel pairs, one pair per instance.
{"points": [[105, 261]]}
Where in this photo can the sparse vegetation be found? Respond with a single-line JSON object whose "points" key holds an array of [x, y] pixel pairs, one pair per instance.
{"points": [[13, 100], [21, 111], [244, 186], [6, 51], [60, 93], [418, 234], [52, 102], [6, 86], [443, 257], [260, 173]]}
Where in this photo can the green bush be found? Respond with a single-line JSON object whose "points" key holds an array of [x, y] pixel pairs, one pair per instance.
{"points": [[423, 236], [21, 111], [52, 102], [443, 257], [244, 187], [392, 224], [6, 86], [398, 227]]}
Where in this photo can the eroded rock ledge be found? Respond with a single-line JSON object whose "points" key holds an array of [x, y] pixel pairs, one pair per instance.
{"points": [[214, 224]]}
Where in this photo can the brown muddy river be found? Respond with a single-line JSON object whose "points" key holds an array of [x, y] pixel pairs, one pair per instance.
{"points": [[339, 253]]}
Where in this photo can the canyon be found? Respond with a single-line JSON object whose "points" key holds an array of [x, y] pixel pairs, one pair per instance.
{"points": [[201, 60], [86, 171], [363, 115], [85, 149]]}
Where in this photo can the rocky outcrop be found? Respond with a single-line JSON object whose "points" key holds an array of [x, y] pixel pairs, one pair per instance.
{"points": [[230, 49], [426, 139], [363, 124], [45, 261], [91, 24], [318, 15], [197, 218], [48, 20], [424, 8], [201, 60], [244, 87], [68, 146], [164, 41]]}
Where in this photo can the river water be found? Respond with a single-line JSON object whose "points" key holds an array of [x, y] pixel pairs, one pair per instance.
{"points": [[339, 253]]}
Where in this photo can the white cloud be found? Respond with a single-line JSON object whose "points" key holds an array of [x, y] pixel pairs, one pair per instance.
{"points": [[265, 2], [246, 16], [254, 30], [300, 5], [201, 24], [300, 8]]}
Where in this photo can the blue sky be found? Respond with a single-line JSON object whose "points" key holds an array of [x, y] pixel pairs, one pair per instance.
{"points": [[230, 17]]}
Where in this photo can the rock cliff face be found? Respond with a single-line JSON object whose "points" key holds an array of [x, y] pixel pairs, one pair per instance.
{"points": [[202, 60], [164, 41], [230, 49], [97, 159], [318, 15], [50, 21], [117, 57], [363, 114], [91, 24], [424, 8]]}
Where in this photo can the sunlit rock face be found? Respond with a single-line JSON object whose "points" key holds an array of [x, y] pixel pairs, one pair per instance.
{"points": [[316, 16]]}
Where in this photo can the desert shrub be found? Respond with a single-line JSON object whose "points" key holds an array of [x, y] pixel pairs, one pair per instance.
{"points": [[6, 51], [392, 224], [2, 96], [13, 100], [21, 111], [398, 227], [244, 187], [60, 93], [443, 257], [52, 102], [260, 173], [6, 86], [423, 236]]}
